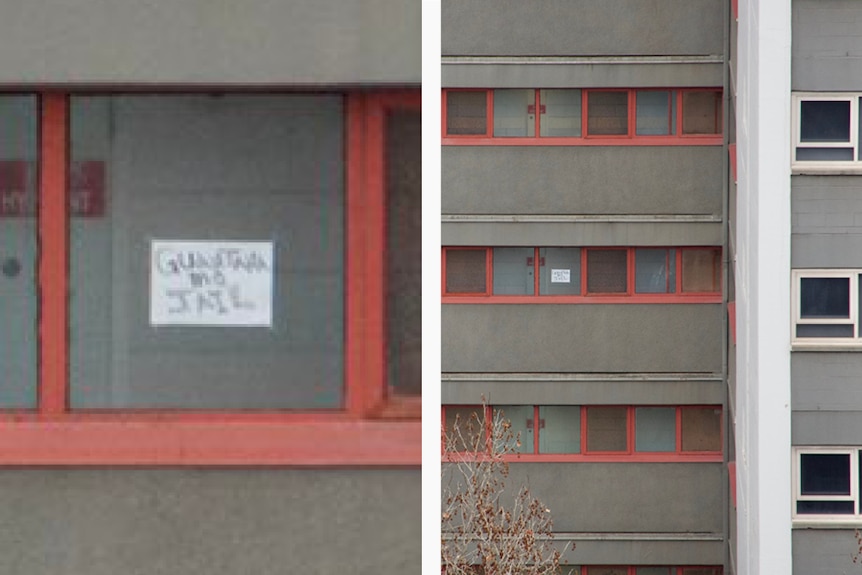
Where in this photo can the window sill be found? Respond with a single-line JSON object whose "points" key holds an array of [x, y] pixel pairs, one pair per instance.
{"points": [[716, 140], [828, 169], [831, 346], [828, 523]]}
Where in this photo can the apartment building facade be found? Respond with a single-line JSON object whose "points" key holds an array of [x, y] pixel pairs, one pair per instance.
{"points": [[585, 194], [799, 177], [209, 352]]}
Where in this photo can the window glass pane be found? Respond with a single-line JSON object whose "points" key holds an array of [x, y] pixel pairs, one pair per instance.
{"points": [[606, 271], [701, 429], [514, 113], [465, 271], [560, 271], [653, 571], [597, 570], [569, 570], [464, 428], [466, 113], [655, 270], [513, 271], [562, 113], [653, 113], [404, 251], [521, 419], [215, 270], [655, 429], [824, 330], [824, 154], [607, 113], [824, 473], [701, 570], [701, 112], [825, 507], [562, 429], [824, 121], [701, 271], [824, 297], [18, 306], [606, 429]]}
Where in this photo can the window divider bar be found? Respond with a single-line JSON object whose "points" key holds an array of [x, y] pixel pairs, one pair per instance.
{"points": [[53, 242]]}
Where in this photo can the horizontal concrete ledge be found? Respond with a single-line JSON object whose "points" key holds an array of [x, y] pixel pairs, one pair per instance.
{"points": [[575, 218], [528, 377], [582, 60], [577, 536]]}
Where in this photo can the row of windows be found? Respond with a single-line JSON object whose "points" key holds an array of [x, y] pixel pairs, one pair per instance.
{"points": [[629, 570], [594, 430], [827, 483], [571, 272], [539, 115], [827, 130], [827, 306]]}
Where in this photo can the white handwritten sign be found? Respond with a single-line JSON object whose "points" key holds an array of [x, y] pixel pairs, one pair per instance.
{"points": [[561, 276], [214, 283]]}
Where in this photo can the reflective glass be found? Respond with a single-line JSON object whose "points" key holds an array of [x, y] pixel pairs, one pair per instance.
{"points": [[561, 114], [514, 113], [560, 429], [824, 121], [560, 271], [824, 297], [513, 271], [653, 113], [655, 429]]}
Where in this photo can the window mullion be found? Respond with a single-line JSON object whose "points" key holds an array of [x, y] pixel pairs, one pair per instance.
{"points": [[53, 231]]}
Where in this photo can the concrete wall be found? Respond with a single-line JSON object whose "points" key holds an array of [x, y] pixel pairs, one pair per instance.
{"points": [[827, 45], [582, 338], [582, 180], [582, 27], [266, 42], [634, 497], [825, 552], [827, 222], [188, 522]]}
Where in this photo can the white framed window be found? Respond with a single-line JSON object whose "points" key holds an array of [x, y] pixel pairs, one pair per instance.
{"points": [[826, 307], [826, 484], [826, 132]]}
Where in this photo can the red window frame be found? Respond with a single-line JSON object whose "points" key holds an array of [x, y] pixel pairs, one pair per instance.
{"points": [[628, 455], [375, 427], [630, 296], [585, 139]]}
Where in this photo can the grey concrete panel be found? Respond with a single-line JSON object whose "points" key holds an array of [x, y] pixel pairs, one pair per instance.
{"points": [[827, 45], [826, 222], [826, 428], [582, 234], [823, 551], [617, 75], [188, 522], [627, 497], [266, 42], [582, 338], [826, 381], [584, 392], [585, 27], [582, 179], [622, 552]]}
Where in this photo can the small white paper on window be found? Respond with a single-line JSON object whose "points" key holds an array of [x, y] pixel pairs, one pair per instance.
{"points": [[211, 283], [561, 276]]}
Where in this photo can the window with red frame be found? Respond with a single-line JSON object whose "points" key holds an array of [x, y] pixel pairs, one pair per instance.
{"points": [[579, 274], [611, 116], [225, 278], [585, 432]]}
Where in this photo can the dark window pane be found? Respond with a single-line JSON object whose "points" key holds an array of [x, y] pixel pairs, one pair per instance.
{"points": [[606, 429], [404, 212], [608, 570], [654, 270], [465, 428], [514, 113], [513, 271], [560, 271], [466, 113], [824, 330], [824, 473], [824, 154], [825, 121], [653, 113], [561, 116], [701, 571], [701, 429], [192, 183], [825, 507], [607, 113], [606, 271], [701, 271], [701, 112], [465, 271], [824, 297], [655, 429], [18, 306]]}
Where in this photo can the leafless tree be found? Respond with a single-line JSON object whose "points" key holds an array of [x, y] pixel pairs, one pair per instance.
{"points": [[488, 526]]}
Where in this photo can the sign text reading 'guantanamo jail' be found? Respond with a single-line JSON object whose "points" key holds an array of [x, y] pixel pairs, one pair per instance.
{"points": [[211, 283]]}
